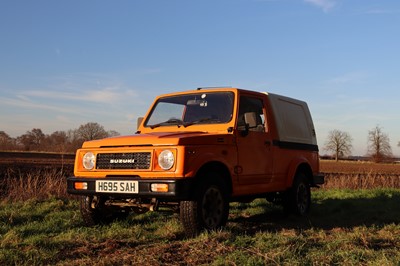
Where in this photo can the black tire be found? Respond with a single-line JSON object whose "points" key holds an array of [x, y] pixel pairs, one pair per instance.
{"points": [[209, 211], [298, 197], [94, 212]]}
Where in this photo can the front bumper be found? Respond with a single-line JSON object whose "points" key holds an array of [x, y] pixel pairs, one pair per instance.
{"points": [[178, 189]]}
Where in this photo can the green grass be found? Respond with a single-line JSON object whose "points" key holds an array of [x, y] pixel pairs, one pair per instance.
{"points": [[350, 227]]}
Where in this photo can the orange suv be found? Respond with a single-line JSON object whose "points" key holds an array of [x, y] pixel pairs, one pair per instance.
{"points": [[195, 152]]}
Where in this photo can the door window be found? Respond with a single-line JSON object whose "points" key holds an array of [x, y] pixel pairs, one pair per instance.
{"points": [[251, 114]]}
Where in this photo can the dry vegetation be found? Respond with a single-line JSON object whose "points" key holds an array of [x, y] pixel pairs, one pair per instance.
{"points": [[356, 167], [26, 176], [40, 175], [360, 175], [39, 184]]}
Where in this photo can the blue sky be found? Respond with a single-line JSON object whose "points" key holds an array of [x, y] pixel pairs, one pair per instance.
{"points": [[66, 63]]}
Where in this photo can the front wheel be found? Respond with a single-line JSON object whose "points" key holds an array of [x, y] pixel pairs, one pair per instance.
{"points": [[209, 211], [298, 197]]}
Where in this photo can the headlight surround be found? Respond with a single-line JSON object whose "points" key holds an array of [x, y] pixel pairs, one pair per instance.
{"points": [[166, 159], [89, 160]]}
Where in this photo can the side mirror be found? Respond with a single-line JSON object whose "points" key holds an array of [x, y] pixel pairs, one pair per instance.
{"points": [[250, 121], [139, 122]]}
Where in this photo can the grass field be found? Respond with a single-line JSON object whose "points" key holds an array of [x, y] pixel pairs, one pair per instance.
{"points": [[344, 227], [41, 225]]}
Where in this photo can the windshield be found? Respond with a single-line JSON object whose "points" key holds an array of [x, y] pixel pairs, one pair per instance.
{"points": [[189, 109]]}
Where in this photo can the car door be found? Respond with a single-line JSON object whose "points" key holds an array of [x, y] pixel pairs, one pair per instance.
{"points": [[254, 143]]}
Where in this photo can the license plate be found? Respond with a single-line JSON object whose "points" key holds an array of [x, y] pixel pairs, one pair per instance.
{"points": [[117, 186]]}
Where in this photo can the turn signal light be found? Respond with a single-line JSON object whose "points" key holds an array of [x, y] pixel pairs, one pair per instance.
{"points": [[159, 187], [80, 185]]}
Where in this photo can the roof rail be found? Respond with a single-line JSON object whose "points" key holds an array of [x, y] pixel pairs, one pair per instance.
{"points": [[218, 87]]}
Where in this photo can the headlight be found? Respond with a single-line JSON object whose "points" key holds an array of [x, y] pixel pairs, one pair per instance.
{"points": [[89, 160], [166, 159]]}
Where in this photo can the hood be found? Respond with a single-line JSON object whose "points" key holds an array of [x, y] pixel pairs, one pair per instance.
{"points": [[161, 138]]}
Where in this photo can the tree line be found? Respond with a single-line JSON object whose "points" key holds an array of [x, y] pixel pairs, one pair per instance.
{"points": [[379, 149], [338, 142], [58, 141]]}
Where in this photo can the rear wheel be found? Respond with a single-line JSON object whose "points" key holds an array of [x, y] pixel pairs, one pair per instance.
{"points": [[209, 210], [94, 211], [298, 197]]}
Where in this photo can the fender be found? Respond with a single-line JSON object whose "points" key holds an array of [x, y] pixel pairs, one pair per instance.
{"points": [[293, 166], [195, 159]]}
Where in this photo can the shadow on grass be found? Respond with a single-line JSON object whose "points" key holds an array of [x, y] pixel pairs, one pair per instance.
{"points": [[330, 209], [327, 213]]}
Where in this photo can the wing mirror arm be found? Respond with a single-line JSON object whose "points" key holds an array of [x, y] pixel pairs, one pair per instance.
{"points": [[245, 132], [250, 121]]}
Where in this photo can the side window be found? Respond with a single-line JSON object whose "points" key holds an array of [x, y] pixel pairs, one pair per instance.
{"points": [[251, 112]]}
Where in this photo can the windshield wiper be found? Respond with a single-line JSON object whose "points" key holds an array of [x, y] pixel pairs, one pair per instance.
{"points": [[200, 121], [172, 121]]}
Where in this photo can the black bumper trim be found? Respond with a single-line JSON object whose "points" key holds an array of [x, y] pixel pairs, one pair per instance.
{"points": [[178, 189], [318, 179]]}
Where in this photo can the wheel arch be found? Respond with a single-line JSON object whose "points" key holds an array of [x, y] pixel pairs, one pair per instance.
{"points": [[218, 167], [299, 166], [305, 168]]}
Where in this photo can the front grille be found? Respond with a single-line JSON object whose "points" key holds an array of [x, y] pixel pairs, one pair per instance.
{"points": [[137, 160]]}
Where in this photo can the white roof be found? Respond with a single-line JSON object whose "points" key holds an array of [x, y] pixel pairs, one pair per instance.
{"points": [[293, 119]]}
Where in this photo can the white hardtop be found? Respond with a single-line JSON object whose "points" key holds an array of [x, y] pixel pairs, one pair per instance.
{"points": [[293, 119]]}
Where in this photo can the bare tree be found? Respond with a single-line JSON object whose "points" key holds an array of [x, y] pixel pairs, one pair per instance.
{"points": [[339, 143], [113, 133], [58, 141], [32, 140], [379, 145], [74, 140], [91, 131], [6, 142]]}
